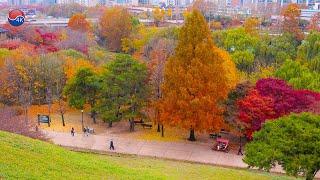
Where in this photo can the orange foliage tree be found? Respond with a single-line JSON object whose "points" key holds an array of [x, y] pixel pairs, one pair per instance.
{"points": [[290, 23], [114, 25], [197, 79], [251, 26], [78, 22]]}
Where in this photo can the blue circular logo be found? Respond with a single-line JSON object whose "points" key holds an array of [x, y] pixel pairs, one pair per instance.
{"points": [[16, 17]]}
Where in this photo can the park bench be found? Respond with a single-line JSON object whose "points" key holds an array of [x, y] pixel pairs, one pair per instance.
{"points": [[218, 135], [139, 122], [144, 125], [214, 135]]}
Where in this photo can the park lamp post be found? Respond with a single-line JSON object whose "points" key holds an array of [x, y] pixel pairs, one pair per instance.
{"points": [[82, 119]]}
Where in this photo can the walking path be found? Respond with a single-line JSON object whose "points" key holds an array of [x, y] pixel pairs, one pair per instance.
{"points": [[188, 151]]}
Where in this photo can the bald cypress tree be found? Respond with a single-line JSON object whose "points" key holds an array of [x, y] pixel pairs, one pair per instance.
{"points": [[198, 78]]}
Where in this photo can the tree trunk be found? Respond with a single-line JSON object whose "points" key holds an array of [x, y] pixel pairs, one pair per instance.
{"points": [[93, 116], [311, 174], [110, 124], [49, 112], [162, 131], [132, 121], [26, 114], [62, 118], [158, 130], [192, 136]]}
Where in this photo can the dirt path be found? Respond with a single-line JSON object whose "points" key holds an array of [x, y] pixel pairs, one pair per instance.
{"points": [[187, 151]]}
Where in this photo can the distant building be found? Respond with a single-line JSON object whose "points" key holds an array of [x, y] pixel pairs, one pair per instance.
{"points": [[83, 2], [65, 1], [308, 13], [49, 2], [102, 2], [18, 2], [143, 2]]}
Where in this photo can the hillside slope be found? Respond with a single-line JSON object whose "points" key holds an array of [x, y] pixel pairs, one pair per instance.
{"points": [[25, 158]]}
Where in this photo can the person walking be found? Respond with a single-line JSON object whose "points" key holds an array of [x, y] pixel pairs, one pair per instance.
{"points": [[84, 131], [111, 145], [240, 150], [72, 131]]}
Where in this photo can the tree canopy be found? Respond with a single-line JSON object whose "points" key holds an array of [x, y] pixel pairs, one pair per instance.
{"points": [[124, 89], [196, 79], [291, 141]]}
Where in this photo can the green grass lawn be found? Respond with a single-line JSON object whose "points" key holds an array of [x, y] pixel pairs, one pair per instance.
{"points": [[25, 158]]}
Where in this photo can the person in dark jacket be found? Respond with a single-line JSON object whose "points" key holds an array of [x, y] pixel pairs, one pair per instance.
{"points": [[111, 145], [72, 131]]}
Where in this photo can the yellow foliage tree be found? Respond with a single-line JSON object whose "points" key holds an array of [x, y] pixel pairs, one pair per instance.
{"points": [[158, 15], [71, 66], [251, 26], [215, 25], [198, 78], [169, 13], [138, 38]]}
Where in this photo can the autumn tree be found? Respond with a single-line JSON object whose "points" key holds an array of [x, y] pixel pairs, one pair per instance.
{"points": [[314, 23], [291, 141], [201, 5], [290, 24], [161, 50], [158, 15], [170, 35], [231, 107], [169, 13], [78, 22], [49, 81], [139, 36], [286, 99], [248, 108], [15, 31], [114, 25], [254, 110], [196, 80], [21, 80], [251, 26], [83, 89], [215, 25], [77, 40]]}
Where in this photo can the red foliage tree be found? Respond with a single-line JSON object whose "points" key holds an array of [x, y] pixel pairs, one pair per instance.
{"points": [[286, 99], [10, 44], [254, 110], [48, 41], [271, 99]]}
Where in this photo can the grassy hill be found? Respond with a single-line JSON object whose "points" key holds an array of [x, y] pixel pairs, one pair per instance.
{"points": [[25, 158]]}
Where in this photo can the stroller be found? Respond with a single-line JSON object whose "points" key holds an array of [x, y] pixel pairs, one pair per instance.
{"points": [[221, 145]]}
